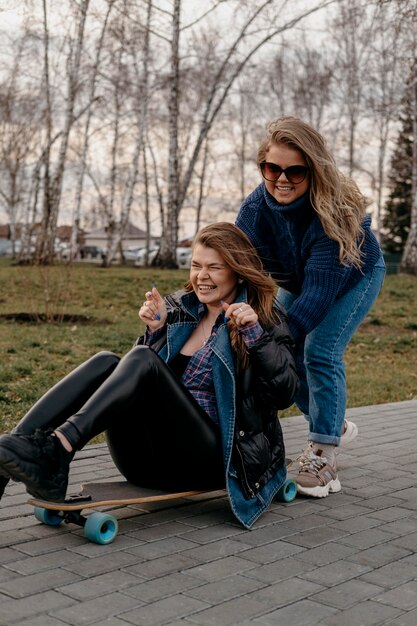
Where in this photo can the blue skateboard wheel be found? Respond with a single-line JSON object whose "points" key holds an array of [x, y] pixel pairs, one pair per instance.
{"points": [[287, 492], [50, 518], [101, 528]]}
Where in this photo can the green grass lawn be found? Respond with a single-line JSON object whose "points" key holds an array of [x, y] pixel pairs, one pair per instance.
{"points": [[381, 360]]}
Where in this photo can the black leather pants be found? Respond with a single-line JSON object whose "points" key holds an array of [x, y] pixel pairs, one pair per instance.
{"points": [[157, 433]]}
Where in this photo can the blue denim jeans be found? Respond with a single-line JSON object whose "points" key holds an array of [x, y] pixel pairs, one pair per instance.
{"points": [[322, 392]]}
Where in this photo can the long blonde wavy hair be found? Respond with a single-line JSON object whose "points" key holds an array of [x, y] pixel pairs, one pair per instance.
{"points": [[238, 253], [335, 198]]}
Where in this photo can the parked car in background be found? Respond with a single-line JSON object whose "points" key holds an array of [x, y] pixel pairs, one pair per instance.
{"points": [[131, 253], [6, 247], [184, 257], [91, 252], [141, 256]]}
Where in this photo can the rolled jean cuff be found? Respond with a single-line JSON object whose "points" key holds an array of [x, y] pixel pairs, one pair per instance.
{"points": [[72, 434], [330, 440]]}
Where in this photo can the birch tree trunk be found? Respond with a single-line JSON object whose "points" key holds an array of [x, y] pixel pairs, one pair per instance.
{"points": [[85, 147], [170, 235], [141, 108], [409, 260], [52, 184]]}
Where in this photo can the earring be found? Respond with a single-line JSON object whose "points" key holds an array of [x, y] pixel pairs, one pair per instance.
{"points": [[240, 281]]}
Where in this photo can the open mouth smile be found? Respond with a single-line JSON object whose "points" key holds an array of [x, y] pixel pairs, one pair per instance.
{"points": [[206, 288]]}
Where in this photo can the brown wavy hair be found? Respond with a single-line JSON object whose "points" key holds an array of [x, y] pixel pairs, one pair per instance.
{"points": [[336, 199], [237, 251]]}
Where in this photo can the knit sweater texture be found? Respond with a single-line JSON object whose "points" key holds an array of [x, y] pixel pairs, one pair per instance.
{"points": [[296, 251]]}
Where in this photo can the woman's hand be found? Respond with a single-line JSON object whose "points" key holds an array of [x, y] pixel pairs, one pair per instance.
{"points": [[153, 311], [241, 312]]}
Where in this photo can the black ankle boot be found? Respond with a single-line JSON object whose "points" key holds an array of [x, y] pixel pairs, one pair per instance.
{"points": [[39, 460]]}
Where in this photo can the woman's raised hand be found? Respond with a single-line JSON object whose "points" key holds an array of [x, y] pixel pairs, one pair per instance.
{"points": [[241, 312], [153, 311]]}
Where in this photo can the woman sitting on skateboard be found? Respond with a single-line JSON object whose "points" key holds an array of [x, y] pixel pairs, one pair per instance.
{"points": [[193, 405]]}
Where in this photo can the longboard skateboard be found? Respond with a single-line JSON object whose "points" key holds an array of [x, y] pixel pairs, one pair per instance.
{"points": [[102, 527]]}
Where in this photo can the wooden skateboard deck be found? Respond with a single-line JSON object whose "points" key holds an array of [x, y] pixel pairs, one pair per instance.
{"points": [[95, 495], [101, 527]]}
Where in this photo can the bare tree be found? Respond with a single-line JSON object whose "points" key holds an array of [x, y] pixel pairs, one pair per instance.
{"points": [[53, 169], [18, 130], [409, 258], [352, 30], [383, 91], [82, 160], [241, 50]]}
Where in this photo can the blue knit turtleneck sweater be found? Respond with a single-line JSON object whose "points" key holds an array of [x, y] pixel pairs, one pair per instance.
{"points": [[297, 252]]}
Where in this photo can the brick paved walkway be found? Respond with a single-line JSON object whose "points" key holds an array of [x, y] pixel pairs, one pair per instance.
{"points": [[349, 559]]}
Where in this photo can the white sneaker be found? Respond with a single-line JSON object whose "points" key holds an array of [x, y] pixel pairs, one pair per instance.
{"points": [[350, 433]]}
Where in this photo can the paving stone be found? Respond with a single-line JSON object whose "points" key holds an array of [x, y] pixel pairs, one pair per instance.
{"points": [[335, 573], [270, 552], [356, 524], [391, 575], [43, 620], [168, 545], [51, 544], [23, 608], [347, 594], [161, 531], [305, 522], [400, 527], [366, 538], [92, 611], [100, 564], [7, 555], [366, 613], [216, 550], [279, 570], [377, 556], [285, 592], [225, 589], [36, 583], [222, 568], [159, 588], [98, 585], [329, 553], [163, 611], [403, 597], [7, 575], [262, 536], [315, 537], [161, 566], [347, 511], [406, 619], [302, 613], [62, 558], [408, 541], [229, 613]]}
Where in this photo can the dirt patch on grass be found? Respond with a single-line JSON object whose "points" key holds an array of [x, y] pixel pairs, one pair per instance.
{"points": [[41, 318]]}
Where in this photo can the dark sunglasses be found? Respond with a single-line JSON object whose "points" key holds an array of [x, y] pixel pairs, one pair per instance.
{"points": [[295, 174]]}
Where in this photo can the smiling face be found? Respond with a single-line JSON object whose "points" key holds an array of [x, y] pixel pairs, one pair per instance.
{"points": [[282, 190], [211, 279]]}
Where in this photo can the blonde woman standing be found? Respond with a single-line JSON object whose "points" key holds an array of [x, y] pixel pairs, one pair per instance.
{"points": [[309, 226]]}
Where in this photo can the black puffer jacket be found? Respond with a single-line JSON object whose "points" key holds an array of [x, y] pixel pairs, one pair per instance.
{"points": [[267, 385]]}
